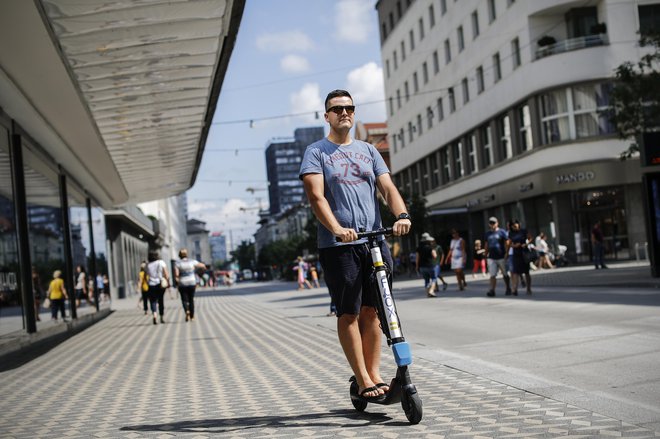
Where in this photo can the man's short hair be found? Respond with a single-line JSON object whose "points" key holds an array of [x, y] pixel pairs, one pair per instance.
{"points": [[336, 94]]}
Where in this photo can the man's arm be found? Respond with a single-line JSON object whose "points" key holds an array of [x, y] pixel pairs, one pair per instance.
{"points": [[313, 184], [395, 203]]}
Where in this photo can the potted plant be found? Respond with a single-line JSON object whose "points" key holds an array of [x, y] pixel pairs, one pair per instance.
{"points": [[546, 40], [599, 28]]}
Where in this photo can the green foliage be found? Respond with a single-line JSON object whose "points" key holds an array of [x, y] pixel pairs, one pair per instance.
{"points": [[635, 97], [280, 255], [244, 255]]}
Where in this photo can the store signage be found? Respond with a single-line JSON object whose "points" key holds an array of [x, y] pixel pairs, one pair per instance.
{"points": [[477, 201], [575, 177], [526, 187]]}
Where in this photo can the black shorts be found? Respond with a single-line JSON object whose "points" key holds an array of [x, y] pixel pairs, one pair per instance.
{"points": [[347, 270], [80, 294]]}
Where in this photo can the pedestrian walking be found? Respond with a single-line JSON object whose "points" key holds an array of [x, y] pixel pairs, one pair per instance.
{"points": [[340, 176], [520, 265], [479, 259], [301, 268], [57, 295], [184, 274], [106, 286], [425, 257], [457, 257], [597, 244], [543, 249], [159, 281], [497, 248], [143, 282], [437, 265], [80, 288], [315, 277]]}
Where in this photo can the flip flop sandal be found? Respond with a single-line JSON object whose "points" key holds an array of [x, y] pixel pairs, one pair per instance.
{"points": [[371, 398], [381, 385]]}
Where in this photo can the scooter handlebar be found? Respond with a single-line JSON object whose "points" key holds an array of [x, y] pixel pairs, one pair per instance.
{"points": [[382, 231]]}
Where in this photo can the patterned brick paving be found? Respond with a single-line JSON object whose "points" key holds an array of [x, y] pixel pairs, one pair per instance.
{"points": [[239, 371]]}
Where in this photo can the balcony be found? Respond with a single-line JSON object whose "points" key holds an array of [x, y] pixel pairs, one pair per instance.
{"points": [[571, 44]]}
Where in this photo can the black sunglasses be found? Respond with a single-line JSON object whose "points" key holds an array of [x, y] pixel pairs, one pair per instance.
{"points": [[339, 109]]}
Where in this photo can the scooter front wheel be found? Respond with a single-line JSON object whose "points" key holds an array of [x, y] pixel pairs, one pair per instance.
{"points": [[412, 405], [358, 403]]}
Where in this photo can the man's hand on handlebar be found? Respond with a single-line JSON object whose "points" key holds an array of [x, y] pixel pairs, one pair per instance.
{"points": [[401, 227], [346, 235]]}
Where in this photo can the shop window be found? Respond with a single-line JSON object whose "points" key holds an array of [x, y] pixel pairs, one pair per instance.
{"points": [[9, 262]]}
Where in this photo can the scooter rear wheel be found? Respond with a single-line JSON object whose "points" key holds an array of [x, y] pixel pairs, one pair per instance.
{"points": [[412, 406]]}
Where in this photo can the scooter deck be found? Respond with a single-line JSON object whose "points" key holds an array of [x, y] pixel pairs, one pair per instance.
{"points": [[393, 395]]}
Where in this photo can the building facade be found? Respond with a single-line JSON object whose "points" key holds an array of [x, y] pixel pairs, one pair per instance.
{"points": [[218, 244], [283, 158], [198, 246], [495, 108]]}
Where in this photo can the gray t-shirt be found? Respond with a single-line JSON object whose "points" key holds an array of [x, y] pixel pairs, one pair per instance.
{"points": [[349, 174]]}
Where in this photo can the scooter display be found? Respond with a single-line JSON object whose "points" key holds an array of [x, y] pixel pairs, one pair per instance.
{"points": [[401, 388]]}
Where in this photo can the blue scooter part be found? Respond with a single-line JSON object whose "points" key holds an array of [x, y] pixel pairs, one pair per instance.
{"points": [[402, 354]]}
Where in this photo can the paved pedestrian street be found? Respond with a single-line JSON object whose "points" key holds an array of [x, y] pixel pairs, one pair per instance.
{"points": [[243, 370]]}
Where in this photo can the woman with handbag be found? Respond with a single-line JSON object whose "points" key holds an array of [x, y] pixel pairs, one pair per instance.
{"points": [[520, 265], [57, 295], [159, 281]]}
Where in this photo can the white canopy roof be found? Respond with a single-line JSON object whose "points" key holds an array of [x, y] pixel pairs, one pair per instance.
{"points": [[120, 92]]}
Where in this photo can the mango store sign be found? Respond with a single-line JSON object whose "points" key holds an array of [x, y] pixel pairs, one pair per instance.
{"points": [[575, 177]]}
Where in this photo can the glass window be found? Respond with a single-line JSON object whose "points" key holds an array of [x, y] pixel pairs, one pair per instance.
{"points": [[431, 16], [411, 34], [429, 117], [435, 170], [441, 110], [487, 145], [515, 52], [555, 117], [424, 171], [459, 36], [525, 122], [443, 7], [399, 13], [472, 153], [387, 68], [492, 12], [589, 104], [391, 106], [649, 18], [505, 139], [466, 91], [452, 100], [396, 62], [421, 29], [447, 52], [497, 68], [415, 83], [457, 152], [410, 131], [480, 79], [415, 178], [425, 72], [444, 158], [420, 129], [406, 90], [436, 62], [579, 21], [402, 138], [403, 51], [475, 24], [398, 98]]}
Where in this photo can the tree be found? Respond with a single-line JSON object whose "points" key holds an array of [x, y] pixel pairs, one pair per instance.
{"points": [[244, 255], [635, 97]]}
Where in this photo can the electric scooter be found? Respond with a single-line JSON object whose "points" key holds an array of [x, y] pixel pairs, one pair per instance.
{"points": [[401, 388]]}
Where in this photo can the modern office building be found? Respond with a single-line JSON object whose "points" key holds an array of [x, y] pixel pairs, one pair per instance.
{"points": [[495, 108], [103, 105], [218, 243], [283, 158]]}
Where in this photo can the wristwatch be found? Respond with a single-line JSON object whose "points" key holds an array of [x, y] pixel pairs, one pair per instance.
{"points": [[404, 215]]}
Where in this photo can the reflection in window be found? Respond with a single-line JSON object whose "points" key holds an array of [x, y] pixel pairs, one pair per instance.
{"points": [[487, 144], [525, 122], [505, 140], [472, 153], [435, 171], [444, 158], [554, 116], [457, 152]]}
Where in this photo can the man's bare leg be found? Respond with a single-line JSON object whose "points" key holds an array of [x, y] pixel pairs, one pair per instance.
{"points": [[350, 339], [371, 335]]}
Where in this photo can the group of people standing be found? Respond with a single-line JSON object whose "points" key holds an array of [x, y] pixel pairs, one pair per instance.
{"points": [[511, 252]]}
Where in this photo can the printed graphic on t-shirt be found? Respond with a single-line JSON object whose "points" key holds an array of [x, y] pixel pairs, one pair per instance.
{"points": [[350, 168]]}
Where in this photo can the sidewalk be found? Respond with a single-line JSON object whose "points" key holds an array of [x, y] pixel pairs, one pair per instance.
{"points": [[245, 370]]}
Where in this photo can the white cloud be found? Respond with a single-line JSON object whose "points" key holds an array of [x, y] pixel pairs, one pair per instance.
{"points": [[228, 216], [288, 41], [294, 64], [307, 100], [366, 86], [353, 20]]}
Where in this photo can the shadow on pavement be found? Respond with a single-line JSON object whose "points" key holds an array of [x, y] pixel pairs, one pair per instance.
{"points": [[334, 419]]}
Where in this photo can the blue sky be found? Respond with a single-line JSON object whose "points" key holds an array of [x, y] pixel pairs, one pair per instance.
{"points": [[287, 56]]}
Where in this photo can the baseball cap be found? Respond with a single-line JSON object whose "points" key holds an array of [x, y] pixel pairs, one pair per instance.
{"points": [[492, 219], [426, 237]]}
